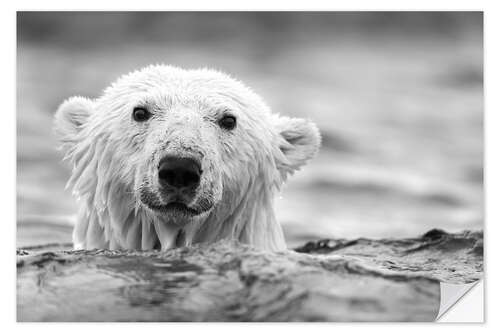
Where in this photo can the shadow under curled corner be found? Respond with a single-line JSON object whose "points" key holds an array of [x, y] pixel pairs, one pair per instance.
{"points": [[328, 280]]}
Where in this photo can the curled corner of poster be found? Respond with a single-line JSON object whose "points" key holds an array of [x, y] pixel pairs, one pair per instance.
{"points": [[461, 303]]}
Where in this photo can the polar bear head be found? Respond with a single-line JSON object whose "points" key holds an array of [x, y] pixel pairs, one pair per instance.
{"points": [[168, 156]]}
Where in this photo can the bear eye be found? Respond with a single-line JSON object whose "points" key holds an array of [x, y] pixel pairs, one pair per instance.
{"points": [[141, 114], [228, 122]]}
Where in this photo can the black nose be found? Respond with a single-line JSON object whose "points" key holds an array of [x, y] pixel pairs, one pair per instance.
{"points": [[179, 172]]}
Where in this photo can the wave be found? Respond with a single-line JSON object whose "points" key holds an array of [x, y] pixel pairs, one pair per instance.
{"points": [[327, 280]]}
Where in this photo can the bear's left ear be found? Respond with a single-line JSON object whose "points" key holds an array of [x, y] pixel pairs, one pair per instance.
{"points": [[299, 142], [70, 117]]}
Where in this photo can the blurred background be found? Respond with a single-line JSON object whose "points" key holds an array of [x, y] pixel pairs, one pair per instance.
{"points": [[398, 98]]}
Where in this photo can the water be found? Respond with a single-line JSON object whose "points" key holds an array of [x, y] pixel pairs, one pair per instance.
{"points": [[334, 280], [401, 120], [216, 282]]}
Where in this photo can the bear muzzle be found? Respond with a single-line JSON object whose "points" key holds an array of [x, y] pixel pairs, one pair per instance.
{"points": [[179, 174], [178, 179]]}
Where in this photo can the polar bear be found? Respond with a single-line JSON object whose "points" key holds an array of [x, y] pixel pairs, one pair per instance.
{"points": [[168, 157]]}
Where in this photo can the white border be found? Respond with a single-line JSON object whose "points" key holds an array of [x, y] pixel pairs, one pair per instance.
{"points": [[492, 72], [268, 5]]}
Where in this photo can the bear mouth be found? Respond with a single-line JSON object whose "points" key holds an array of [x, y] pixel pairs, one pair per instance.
{"points": [[174, 208]]}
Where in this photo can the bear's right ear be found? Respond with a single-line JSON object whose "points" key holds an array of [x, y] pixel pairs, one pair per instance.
{"points": [[299, 142], [70, 118]]}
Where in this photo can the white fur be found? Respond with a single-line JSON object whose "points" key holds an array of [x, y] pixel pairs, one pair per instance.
{"points": [[115, 158]]}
